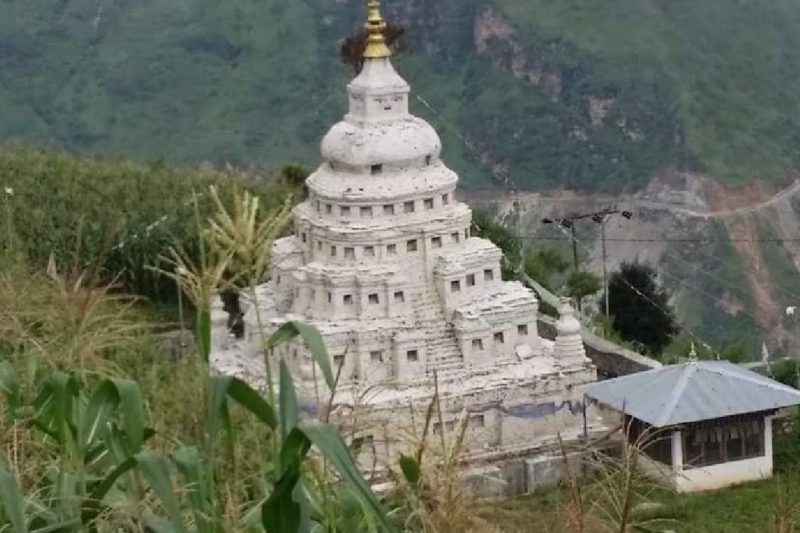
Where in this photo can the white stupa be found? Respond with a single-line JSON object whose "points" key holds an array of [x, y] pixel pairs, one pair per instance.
{"points": [[383, 264]]}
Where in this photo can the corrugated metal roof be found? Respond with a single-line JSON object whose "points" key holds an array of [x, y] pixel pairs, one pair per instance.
{"points": [[693, 391]]}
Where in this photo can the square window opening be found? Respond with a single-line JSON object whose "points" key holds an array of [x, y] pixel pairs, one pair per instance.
{"points": [[456, 237], [428, 203], [348, 299], [366, 212], [411, 245], [373, 299], [391, 249], [408, 207], [376, 356], [399, 297], [522, 330], [455, 286], [477, 344], [445, 199], [498, 337], [412, 355], [328, 208], [344, 210], [333, 251], [436, 242], [369, 251], [338, 360], [488, 274], [349, 253], [470, 280], [376, 169], [388, 210]]}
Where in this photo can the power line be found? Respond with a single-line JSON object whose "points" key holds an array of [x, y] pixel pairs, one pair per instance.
{"points": [[534, 237]]}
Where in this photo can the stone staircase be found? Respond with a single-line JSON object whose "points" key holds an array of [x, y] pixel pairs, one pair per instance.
{"points": [[444, 355]]}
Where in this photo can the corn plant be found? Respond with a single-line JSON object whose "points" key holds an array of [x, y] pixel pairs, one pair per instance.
{"points": [[91, 438]]}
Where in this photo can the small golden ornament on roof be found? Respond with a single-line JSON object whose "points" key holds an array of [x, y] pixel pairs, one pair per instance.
{"points": [[376, 41]]}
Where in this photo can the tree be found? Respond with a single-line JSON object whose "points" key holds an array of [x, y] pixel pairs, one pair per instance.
{"points": [[484, 226], [582, 284], [543, 264], [640, 307]]}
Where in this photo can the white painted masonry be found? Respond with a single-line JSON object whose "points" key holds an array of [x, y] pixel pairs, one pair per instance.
{"points": [[383, 264]]}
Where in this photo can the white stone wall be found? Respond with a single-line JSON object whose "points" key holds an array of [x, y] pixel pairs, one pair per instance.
{"points": [[383, 264]]}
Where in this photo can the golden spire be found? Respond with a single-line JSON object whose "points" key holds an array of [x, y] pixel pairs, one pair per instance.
{"points": [[376, 41]]}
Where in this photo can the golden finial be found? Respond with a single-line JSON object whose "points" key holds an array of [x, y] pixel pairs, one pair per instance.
{"points": [[376, 41]]}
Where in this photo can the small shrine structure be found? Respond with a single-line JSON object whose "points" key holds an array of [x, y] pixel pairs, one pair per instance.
{"points": [[699, 425]]}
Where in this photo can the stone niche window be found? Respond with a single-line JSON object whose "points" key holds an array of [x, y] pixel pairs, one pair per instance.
{"points": [[333, 251], [375, 169], [303, 237], [470, 280], [328, 208], [408, 207], [436, 242], [388, 209], [399, 297], [477, 344], [412, 355], [428, 159], [391, 249], [477, 421], [344, 211], [445, 199], [366, 212], [522, 330], [450, 425], [488, 274], [455, 286], [330, 298], [319, 245], [456, 237], [369, 251], [349, 253], [428, 203], [373, 299], [376, 356], [411, 245], [498, 337], [338, 360], [348, 299]]}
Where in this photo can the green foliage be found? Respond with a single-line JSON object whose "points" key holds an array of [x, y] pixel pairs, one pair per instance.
{"points": [[112, 214], [640, 308], [581, 284], [542, 265], [505, 238], [676, 89]]}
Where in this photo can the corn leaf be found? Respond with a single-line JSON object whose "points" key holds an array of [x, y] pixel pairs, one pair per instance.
{"points": [[188, 462], [313, 341], [281, 513], [289, 409], [155, 470], [9, 386], [12, 501], [328, 441]]}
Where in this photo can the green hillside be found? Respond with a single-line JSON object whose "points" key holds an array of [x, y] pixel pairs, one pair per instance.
{"points": [[710, 86]]}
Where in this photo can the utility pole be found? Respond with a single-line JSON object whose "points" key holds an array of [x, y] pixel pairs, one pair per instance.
{"points": [[598, 217]]}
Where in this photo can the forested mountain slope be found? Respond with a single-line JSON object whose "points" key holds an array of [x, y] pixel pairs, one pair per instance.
{"points": [[586, 94]]}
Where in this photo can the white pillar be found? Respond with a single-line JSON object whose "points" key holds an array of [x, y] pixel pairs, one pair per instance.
{"points": [[677, 451], [768, 442]]}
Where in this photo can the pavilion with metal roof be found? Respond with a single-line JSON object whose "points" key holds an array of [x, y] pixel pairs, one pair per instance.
{"points": [[701, 424]]}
